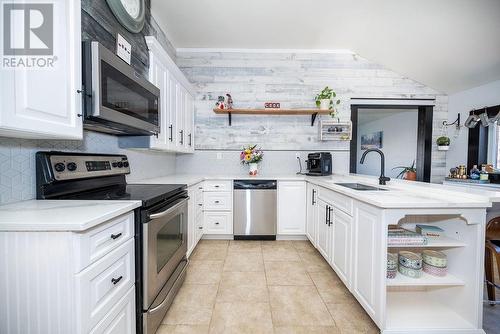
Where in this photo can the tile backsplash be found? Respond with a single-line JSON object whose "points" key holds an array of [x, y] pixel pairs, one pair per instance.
{"points": [[17, 161]]}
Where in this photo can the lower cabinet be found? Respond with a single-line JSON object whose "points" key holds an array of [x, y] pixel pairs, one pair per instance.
{"points": [[324, 241], [291, 207], [312, 202], [341, 246], [195, 216], [367, 265], [218, 207], [70, 282]]}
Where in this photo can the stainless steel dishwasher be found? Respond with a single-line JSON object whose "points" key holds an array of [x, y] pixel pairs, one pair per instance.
{"points": [[254, 209]]}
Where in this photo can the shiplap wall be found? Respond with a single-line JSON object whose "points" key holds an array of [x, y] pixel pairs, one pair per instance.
{"points": [[293, 79]]}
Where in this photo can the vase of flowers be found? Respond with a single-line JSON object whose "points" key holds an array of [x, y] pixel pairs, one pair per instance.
{"points": [[251, 156]]}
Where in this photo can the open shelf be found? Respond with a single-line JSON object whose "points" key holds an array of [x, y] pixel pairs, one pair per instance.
{"points": [[425, 280], [312, 112], [419, 312], [442, 242]]}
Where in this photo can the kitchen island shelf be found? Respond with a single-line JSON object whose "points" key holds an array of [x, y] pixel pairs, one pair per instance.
{"points": [[425, 280], [273, 112], [442, 242]]}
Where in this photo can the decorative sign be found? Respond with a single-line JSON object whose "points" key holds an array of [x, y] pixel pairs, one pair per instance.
{"points": [[272, 105], [123, 49]]}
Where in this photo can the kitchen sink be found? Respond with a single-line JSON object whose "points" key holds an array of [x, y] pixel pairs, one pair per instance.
{"points": [[359, 186]]}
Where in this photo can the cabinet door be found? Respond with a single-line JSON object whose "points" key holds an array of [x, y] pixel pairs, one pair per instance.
{"points": [[311, 226], [179, 117], [341, 246], [291, 207], [171, 111], [45, 102], [158, 76], [189, 125], [368, 266], [323, 230]]}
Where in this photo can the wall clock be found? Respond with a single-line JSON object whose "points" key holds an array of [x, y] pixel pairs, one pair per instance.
{"points": [[130, 13]]}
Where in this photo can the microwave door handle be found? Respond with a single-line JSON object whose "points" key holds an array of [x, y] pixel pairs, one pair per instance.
{"points": [[169, 210]]}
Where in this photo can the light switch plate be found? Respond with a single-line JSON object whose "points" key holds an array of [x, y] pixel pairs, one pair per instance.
{"points": [[123, 49]]}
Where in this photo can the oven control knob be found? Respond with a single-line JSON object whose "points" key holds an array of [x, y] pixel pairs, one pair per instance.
{"points": [[125, 164], [71, 166], [114, 164], [120, 164], [59, 167]]}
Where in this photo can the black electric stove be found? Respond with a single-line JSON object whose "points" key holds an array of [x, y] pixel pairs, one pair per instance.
{"points": [[162, 216]]}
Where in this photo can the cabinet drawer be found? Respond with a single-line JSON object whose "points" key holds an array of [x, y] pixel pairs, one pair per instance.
{"points": [[121, 318], [213, 200], [96, 243], [339, 201], [218, 223], [100, 286], [218, 185]]}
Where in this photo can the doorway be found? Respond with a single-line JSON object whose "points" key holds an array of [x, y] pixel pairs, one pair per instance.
{"points": [[402, 132]]}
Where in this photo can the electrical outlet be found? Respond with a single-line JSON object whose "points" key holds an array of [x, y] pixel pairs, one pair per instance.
{"points": [[219, 156], [123, 49]]}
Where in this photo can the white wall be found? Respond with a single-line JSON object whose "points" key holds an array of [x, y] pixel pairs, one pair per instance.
{"points": [[224, 162], [463, 102], [399, 142]]}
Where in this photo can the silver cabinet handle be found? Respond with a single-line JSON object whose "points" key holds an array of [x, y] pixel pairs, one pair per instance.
{"points": [[171, 127], [182, 136]]}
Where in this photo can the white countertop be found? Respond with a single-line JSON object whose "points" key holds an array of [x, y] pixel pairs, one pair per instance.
{"points": [[400, 194], [60, 215]]}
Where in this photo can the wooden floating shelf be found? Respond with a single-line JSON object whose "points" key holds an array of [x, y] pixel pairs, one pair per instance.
{"points": [[312, 112]]}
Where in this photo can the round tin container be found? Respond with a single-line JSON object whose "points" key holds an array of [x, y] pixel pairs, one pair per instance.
{"points": [[435, 258], [391, 274], [413, 273], [410, 260], [435, 271], [392, 261]]}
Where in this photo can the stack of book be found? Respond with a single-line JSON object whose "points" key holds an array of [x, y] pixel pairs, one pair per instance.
{"points": [[403, 237], [429, 231]]}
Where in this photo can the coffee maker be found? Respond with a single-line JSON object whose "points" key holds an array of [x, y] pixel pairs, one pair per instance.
{"points": [[319, 164]]}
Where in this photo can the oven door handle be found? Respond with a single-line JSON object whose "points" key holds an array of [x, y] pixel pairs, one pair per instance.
{"points": [[169, 210]]}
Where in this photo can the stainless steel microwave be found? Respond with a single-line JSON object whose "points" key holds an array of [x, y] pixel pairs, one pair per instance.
{"points": [[117, 100]]}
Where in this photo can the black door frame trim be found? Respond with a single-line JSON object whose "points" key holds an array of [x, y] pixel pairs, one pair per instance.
{"points": [[424, 136], [477, 151]]}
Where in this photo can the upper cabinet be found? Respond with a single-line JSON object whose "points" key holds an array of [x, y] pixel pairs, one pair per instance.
{"points": [[177, 105], [42, 100]]}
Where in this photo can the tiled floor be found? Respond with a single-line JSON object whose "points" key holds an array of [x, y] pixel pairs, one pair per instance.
{"points": [[263, 287]]}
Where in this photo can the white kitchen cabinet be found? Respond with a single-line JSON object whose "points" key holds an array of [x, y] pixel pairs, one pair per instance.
{"points": [[312, 200], [341, 246], [46, 103], [217, 207], [195, 216], [324, 230], [218, 222], [291, 207], [177, 106], [366, 259], [69, 282]]}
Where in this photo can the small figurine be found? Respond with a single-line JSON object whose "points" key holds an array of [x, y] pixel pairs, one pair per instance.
{"points": [[229, 101], [220, 104]]}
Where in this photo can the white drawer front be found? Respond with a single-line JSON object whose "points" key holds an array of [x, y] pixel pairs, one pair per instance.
{"points": [[103, 284], [121, 318], [96, 243], [218, 223], [217, 200], [341, 202], [218, 186]]}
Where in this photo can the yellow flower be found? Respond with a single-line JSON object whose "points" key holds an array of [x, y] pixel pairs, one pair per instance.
{"points": [[248, 157], [247, 151]]}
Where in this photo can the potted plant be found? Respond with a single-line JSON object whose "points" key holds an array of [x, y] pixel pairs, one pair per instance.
{"points": [[443, 143], [251, 156], [326, 100], [407, 172]]}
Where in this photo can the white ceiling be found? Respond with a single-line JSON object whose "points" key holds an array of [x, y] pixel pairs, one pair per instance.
{"points": [[449, 45]]}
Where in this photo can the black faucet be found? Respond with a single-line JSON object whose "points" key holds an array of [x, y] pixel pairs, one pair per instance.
{"points": [[382, 179]]}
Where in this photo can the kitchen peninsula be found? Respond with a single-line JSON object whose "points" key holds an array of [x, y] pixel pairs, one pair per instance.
{"points": [[349, 228]]}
